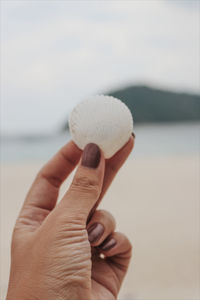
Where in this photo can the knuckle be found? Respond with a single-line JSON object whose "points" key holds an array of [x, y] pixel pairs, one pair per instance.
{"points": [[107, 216], [87, 185], [50, 178], [75, 219], [128, 244], [111, 219], [130, 250]]}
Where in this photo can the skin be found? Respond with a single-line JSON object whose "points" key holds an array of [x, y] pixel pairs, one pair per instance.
{"points": [[51, 256]]}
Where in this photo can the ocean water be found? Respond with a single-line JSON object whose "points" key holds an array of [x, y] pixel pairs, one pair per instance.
{"points": [[151, 140]]}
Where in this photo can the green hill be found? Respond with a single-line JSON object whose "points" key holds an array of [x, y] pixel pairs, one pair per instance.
{"points": [[155, 105]]}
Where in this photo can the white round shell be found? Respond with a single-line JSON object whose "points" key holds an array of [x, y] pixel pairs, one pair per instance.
{"points": [[103, 120]]}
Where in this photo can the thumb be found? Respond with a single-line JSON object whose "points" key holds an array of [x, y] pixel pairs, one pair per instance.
{"points": [[86, 185]]}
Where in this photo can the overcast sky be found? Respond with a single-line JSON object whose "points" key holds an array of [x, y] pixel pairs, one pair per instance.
{"points": [[56, 53]]}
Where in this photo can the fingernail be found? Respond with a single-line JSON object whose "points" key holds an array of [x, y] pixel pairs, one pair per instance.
{"points": [[133, 134], [95, 231], [91, 156], [109, 243]]}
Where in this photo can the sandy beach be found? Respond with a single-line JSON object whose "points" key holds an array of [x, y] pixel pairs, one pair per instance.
{"points": [[155, 201]]}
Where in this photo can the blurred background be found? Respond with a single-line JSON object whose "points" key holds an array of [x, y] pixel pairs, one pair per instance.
{"points": [[55, 54]]}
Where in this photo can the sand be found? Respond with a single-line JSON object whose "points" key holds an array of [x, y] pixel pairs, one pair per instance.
{"points": [[156, 203]]}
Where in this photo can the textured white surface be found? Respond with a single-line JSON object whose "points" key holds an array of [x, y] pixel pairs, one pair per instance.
{"points": [[103, 120]]}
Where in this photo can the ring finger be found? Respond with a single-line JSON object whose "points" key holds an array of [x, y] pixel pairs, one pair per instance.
{"points": [[101, 225]]}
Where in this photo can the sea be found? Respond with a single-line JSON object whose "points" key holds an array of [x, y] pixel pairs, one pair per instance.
{"points": [[151, 140]]}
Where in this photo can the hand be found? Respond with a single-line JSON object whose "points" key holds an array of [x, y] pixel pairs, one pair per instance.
{"points": [[56, 248]]}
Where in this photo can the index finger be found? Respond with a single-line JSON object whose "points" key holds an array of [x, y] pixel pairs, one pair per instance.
{"points": [[45, 188]]}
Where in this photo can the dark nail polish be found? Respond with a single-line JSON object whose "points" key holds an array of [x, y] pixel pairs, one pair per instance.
{"points": [[95, 231], [109, 243], [133, 134], [91, 156]]}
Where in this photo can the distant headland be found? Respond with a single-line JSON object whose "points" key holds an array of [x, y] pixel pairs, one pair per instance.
{"points": [[151, 105]]}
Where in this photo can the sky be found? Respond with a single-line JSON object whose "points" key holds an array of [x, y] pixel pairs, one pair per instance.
{"points": [[56, 53]]}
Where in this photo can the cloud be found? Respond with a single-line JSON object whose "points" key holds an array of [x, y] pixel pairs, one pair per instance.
{"points": [[57, 53]]}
